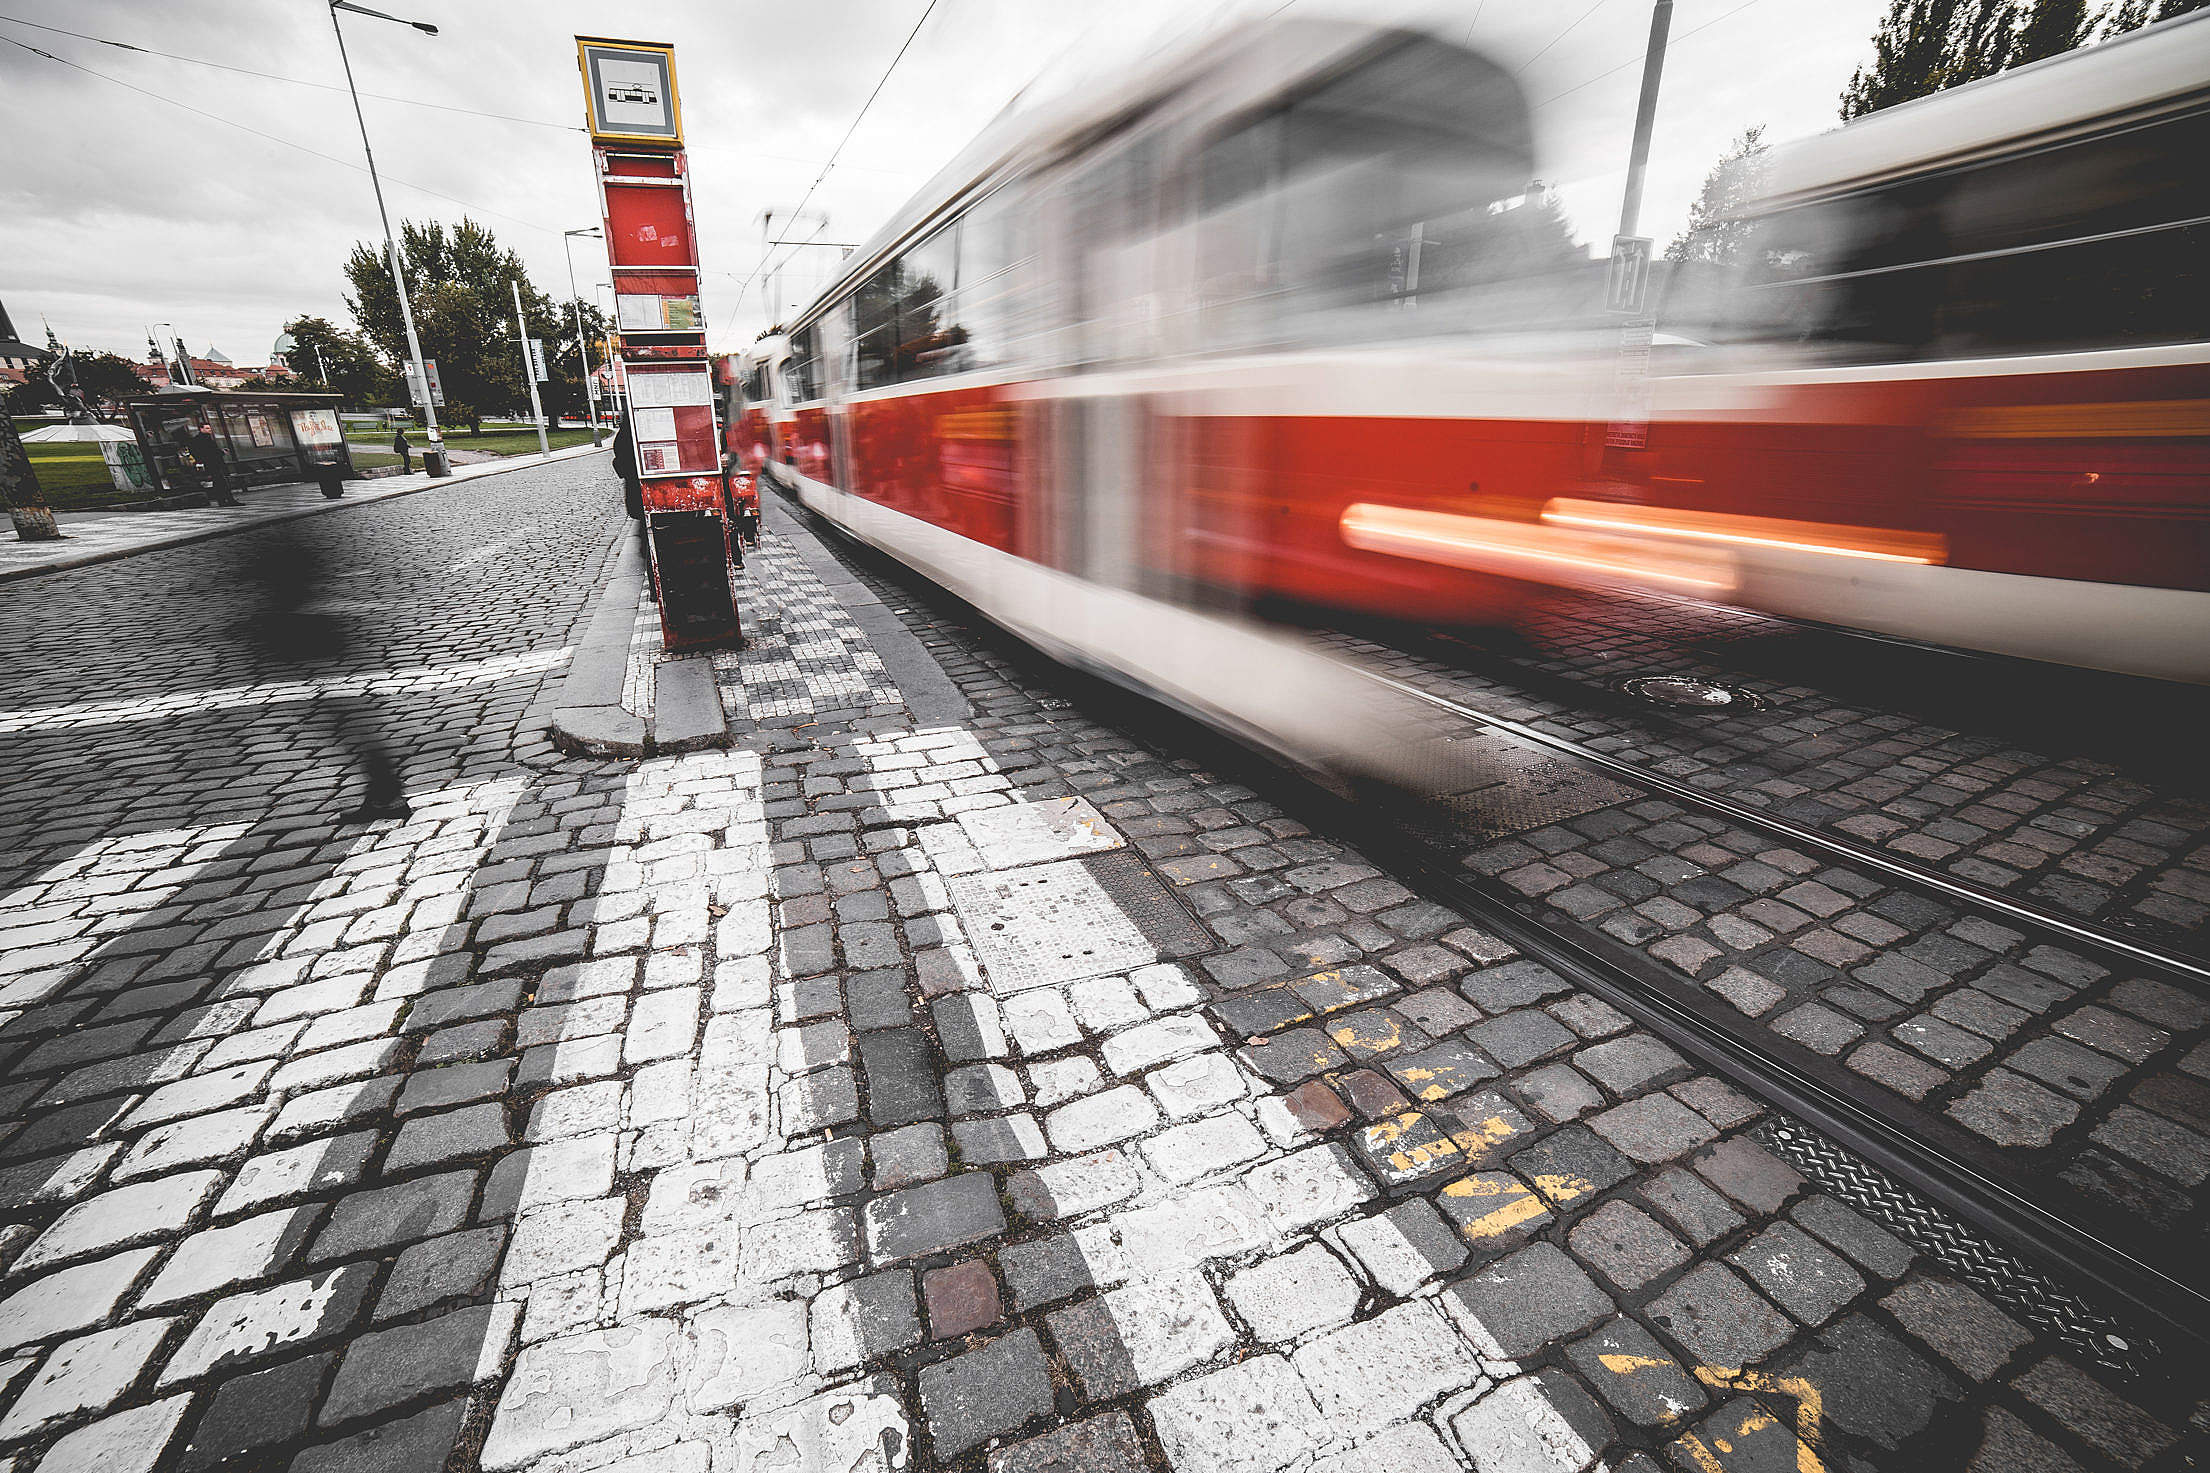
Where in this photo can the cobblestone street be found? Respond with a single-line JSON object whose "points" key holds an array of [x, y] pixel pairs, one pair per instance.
{"points": [[978, 1089]]}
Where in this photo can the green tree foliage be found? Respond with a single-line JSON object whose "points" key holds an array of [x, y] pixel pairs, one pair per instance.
{"points": [[355, 373], [2051, 28], [107, 379], [2131, 15], [104, 378], [1715, 236], [564, 395], [1924, 46], [463, 312]]}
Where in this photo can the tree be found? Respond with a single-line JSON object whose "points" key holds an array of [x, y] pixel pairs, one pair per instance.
{"points": [[340, 361], [1925, 46], [567, 391], [2131, 15], [107, 379], [2051, 28], [1715, 236], [463, 313]]}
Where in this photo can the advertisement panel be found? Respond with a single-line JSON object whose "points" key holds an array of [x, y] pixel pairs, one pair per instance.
{"points": [[318, 429]]}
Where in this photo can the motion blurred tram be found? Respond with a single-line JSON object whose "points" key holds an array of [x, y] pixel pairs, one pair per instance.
{"points": [[1287, 321]]}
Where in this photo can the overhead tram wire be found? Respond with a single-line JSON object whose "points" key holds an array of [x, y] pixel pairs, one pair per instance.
{"points": [[272, 137], [781, 158], [221, 66], [761, 265], [1637, 59], [1569, 30]]}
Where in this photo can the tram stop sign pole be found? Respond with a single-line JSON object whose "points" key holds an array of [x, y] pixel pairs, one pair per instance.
{"points": [[636, 124]]}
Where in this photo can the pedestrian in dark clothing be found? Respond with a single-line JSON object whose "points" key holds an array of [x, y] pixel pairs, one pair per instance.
{"points": [[207, 457], [288, 567], [403, 450], [625, 466], [633, 497]]}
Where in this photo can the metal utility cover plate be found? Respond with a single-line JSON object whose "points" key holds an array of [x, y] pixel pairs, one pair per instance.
{"points": [[1043, 924], [1497, 784], [1033, 833]]}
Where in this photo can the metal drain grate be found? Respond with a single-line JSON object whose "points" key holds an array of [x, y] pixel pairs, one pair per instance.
{"points": [[1495, 784], [1690, 695], [1985, 1265], [1165, 922]]}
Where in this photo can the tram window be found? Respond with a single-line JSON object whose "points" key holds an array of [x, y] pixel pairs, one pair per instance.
{"points": [[928, 336], [981, 314], [800, 372], [1402, 183], [875, 326], [2093, 243]]}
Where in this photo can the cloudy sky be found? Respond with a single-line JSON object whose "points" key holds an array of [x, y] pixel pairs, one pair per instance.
{"points": [[168, 190]]}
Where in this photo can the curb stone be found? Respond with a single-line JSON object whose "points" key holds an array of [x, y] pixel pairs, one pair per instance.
{"points": [[590, 719]]}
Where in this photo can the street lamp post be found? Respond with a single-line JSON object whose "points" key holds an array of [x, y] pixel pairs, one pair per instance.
{"points": [[583, 354], [1645, 115], [433, 458]]}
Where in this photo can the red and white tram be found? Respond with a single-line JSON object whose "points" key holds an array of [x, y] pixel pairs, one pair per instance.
{"points": [[1287, 320]]}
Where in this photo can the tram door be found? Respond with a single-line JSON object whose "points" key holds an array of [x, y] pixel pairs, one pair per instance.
{"points": [[1102, 426]]}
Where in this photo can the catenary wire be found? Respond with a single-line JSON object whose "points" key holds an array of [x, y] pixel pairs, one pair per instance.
{"points": [[1569, 30], [761, 264], [275, 138], [222, 66], [1637, 60], [749, 153]]}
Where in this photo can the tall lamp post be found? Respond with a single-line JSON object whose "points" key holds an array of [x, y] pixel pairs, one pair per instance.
{"points": [[433, 455], [583, 354]]}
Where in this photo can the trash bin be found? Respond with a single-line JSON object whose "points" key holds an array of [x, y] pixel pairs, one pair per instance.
{"points": [[435, 462], [330, 476]]}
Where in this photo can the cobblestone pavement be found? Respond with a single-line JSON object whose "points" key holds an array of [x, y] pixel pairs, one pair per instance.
{"points": [[991, 1093], [2120, 835], [2086, 1075], [113, 533], [803, 652]]}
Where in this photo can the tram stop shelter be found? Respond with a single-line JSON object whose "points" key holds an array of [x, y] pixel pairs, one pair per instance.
{"points": [[267, 438]]}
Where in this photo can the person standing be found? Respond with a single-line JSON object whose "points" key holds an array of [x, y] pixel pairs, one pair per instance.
{"points": [[625, 466], [207, 456], [403, 450]]}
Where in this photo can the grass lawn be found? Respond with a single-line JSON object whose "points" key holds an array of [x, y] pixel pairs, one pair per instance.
{"points": [[72, 476], [495, 442]]}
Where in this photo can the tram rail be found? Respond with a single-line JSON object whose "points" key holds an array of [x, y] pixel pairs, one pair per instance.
{"points": [[1920, 1178]]}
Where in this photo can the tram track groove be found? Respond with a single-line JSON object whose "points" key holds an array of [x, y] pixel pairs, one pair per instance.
{"points": [[1986, 1226], [1904, 871]]}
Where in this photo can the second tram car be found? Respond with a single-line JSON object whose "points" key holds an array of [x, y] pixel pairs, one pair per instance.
{"points": [[1289, 321]]}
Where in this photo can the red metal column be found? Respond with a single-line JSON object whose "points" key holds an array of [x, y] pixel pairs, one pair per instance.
{"points": [[636, 127]]}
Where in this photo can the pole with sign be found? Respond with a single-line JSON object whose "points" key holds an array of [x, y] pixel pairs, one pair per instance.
{"points": [[1627, 284], [636, 124], [434, 394], [532, 369]]}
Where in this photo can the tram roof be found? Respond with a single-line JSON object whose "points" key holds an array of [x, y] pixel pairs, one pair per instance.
{"points": [[2154, 69], [1028, 130]]}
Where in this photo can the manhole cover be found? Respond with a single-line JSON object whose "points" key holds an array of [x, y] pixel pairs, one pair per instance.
{"points": [[1693, 695], [1045, 924]]}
